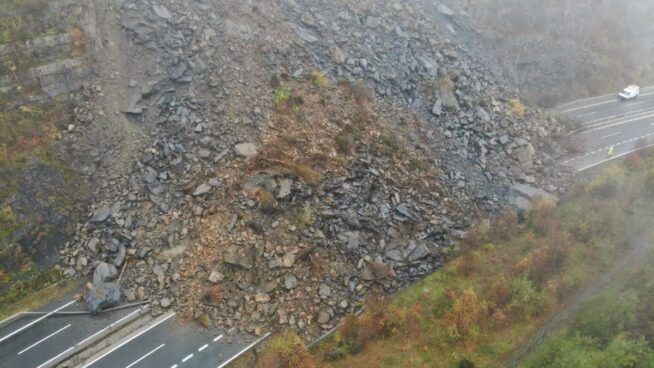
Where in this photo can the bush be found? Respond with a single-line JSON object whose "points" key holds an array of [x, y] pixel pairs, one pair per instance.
{"points": [[356, 332], [281, 96], [524, 295], [286, 350], [606, 315], [465, 313]]}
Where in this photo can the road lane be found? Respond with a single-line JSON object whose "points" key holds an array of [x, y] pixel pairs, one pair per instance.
{"points": [[594, 101], [33, 347], [171, 344], [612, 109], [627, 126]]}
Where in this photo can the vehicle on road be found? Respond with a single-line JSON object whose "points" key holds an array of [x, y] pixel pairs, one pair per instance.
{"points": [[629, 93]]}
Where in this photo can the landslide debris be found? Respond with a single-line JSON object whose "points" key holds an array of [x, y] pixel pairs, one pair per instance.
{"points": [[272, 164]]}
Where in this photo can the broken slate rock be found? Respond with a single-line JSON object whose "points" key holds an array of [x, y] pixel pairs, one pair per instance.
{"points": [[103, 272], [239, 256], [103, 296], [247, 150]]}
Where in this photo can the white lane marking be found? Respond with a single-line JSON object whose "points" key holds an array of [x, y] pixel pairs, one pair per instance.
{"points": [[601, 103], [36, 321], [104, 329], [637, 103], [606, 119], [611, 135], [588, 114], [43, 339], [187, 358], [234, 357], [86, 339], [174, 366], [146, 355], [620, 123], [613, 158], [217, 338], [57, 356], [162, 320], [203, 347]]}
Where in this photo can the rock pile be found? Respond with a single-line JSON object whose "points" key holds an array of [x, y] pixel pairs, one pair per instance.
{"points": [[254, 211]]}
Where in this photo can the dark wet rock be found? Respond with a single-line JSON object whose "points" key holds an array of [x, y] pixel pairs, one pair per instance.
{"points": [[102, 296]]}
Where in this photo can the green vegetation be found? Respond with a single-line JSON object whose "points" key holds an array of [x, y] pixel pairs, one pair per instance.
{"points": [[512, 277], [319, 79], [281, 96]]}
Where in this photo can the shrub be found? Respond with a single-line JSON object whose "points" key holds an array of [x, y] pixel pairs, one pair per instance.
{"points": [[466, 311], [286, 350], [524, 296], [319, 79], [606, 315], [517, 107], [281, 96], [356, 332], [542, 217]]}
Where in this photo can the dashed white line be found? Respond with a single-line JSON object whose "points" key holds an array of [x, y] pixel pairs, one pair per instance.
{"points": [[187, 358], [203, 347], [86, 339], [174, 366], [613, 158], [601, 103], [146, 355], [43, 339], [111, 325], [160, 321], [588, 114], [611, 135], [36, 321], [620, 123], [217, 338]]}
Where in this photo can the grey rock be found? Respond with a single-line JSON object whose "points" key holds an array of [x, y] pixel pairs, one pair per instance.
{"points": [[101, 214], [247, 150], [104, 272], [444, 9], [290, 281], [285, 187], [216, 277], [437, 109], [162, 11], [261, 298], [165, 302], [240, 256], [372, 22], [120, 256], [92, 244], [324, 317], [351, 239], [288, 260], [324, 291], [102, 296], [202, 189]]}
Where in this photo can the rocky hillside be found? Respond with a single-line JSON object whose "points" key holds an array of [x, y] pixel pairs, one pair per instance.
{"points": [[42, 60], [557, 50], [271, 163]]}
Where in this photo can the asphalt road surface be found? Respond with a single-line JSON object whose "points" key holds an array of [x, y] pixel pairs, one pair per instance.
{"points": [[35, 342], [606, 122]]}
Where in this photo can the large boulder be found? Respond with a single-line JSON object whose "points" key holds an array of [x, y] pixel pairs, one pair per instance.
{"points": [[103, 296], [104, 272]]}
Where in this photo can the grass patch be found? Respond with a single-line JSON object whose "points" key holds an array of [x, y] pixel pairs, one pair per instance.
{"points": [[39, 297], [517, 107]]}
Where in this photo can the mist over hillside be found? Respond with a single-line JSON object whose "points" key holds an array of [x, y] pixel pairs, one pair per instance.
{"points": [[556, 50]]}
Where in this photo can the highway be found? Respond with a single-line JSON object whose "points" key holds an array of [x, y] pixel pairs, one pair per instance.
{"points": [[605, 122], [36, 342]]}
